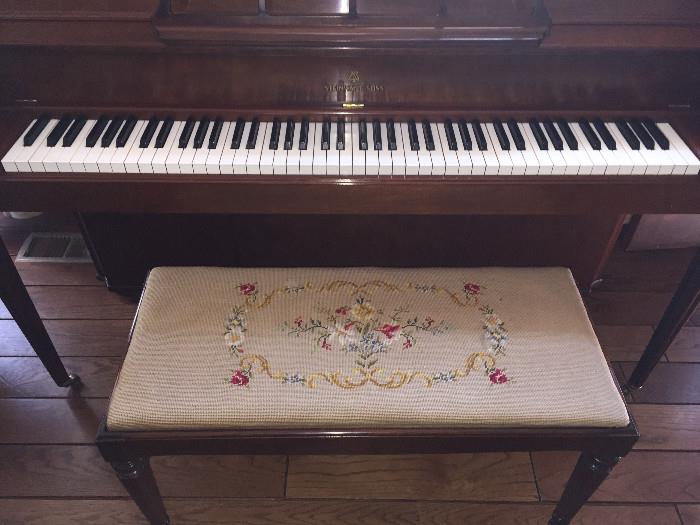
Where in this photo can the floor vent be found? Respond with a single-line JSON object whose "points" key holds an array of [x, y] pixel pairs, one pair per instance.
{"points": [[53, 247]]}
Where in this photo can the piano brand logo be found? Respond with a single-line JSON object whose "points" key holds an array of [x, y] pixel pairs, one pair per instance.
{"points": [[353, 84]]}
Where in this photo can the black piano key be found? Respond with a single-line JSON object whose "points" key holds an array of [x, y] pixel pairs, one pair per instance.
{"points": [[164, 132], [201, 133], [591, 137], [253, 134], [363, 135], [464, 134], [340, 140], [568, 135], [275, 134], [186, 133], [377, 134], [35, 130], [655, 132], [553, 134], [501, 134], [428, 136], [96, 131], [73, 131], [516, 135], [450, 135], [58, 131], [539, 135], [111, 131], [604, 134], [326, 134], [391, 134], [627, 134], [641, 132], [148, 133], [126, 131], [304, 134], [215, 133], [289, 134], [237, 133], [479, 135], [413, 135]]}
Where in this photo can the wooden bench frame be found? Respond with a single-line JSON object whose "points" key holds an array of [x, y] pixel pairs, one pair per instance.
{"points": [[129, 452]]}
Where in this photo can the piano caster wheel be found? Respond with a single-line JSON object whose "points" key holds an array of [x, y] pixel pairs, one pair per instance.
{"points": [[73, 380]]}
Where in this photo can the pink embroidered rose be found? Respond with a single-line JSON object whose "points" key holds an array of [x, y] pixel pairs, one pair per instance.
{"points": [[247, 288], [298, 321], [348, 326], [343, 310], [240, 378], [498, 377], [472, 288], [389, 330], [429, 321], [325, 345], [407, 344]]}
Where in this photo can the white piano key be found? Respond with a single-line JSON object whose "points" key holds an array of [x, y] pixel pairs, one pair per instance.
{"points": [[55, 154], [384, 155], [188, 153], [570, 156], [690, 161], [451, 160], [410, 155], [529, 156], [252, 163], [398, 158], [240, 155], [36, 159], [658, 160], [371, 155], [199, 162], [306, 156], [504, 159], [213, 162], [294, 154], [491, 157], [128, 160], [332, 153], [161, 156], [425, 161], [319, 163], [463, 156], [104, 162], [558, 162], [545, 166], [9, 161], [437, 158], [23, 155], [145, 160], [629, 160], [345, 155], [358, 155], [172, 163], [520, 167], [267, 155], [598, 165], [63, 162], [279, 159]]}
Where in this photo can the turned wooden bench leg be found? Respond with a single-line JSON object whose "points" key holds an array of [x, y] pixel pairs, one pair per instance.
{"points": [[137, 477], [591, 470]]}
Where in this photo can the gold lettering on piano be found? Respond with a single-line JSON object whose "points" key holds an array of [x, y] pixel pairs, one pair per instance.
{"points": [[353, 84]]}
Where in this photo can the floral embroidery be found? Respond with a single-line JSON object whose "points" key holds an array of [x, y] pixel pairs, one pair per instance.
{"points": [[364, 331]]}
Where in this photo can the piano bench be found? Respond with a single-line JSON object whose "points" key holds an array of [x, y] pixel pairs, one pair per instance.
{"points": [[363, 361]]}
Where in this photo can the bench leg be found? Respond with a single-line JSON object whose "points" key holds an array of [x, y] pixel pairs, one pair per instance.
{"points": [[137, 477], [590, 472]]}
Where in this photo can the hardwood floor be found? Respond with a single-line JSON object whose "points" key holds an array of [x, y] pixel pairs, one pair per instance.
{"points": [[50, 474]]}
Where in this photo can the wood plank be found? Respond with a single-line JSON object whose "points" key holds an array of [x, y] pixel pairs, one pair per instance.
{"points": [[648, 477], [268, 512], [675, 383], [686, 346], [690, 514], [626, 308], [26, 377], [71, 338], [465, 477], [623, 343], [72, 420], [81, 302], [667, 427], [79, 471], [57, 274]]}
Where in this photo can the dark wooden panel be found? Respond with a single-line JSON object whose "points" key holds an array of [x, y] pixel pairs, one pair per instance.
{"points": [[686, 345], [646, 477], [280, 512], [307, 7], [467, 477], [627, 308], [667, 427], [623, 343], [669, 383], [72, 420], [80, 302], [623, 11], [219, 7], [78, 9], [26, 377], [398, 7]]}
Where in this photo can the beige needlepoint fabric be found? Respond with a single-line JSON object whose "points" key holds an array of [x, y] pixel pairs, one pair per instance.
{"points": [[349, 347]]}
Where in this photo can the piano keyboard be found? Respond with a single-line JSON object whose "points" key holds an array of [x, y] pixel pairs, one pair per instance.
{"points": [[74, 144]]}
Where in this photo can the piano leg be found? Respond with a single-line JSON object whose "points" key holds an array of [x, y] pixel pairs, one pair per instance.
{"points": [[682, 305], [15, 297]]}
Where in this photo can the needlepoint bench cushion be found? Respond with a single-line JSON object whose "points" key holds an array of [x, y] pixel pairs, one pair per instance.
{"points": [[217, 348]]}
